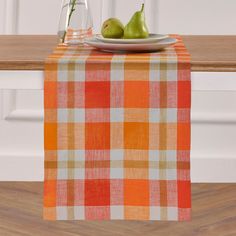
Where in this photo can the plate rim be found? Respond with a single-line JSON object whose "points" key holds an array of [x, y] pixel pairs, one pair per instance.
{"points": [[161, 42], [130, 41], [128, 47]]}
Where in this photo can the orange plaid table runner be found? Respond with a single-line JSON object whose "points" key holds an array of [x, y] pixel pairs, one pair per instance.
{"points": [[117, 135]]}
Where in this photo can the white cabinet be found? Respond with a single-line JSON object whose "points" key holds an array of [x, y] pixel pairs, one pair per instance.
{"points": [[213, 154], [21, 135]]}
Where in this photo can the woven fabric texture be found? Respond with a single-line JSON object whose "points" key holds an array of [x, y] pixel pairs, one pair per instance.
{"points": [[117, 135]]}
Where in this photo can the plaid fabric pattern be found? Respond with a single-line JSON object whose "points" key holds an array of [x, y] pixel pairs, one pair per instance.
{"points": [[117, 135]]}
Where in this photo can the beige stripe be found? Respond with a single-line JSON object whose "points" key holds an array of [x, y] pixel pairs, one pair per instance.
{"points": [[71, 140], [97, 164], [113, 164], [163, 69], [162, 164], [71, 164], [116, 164], [163, 213], [71, 71], [136, 164], [163, 118], [70, 213]]}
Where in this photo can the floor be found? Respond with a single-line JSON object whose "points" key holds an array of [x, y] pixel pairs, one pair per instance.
{"points": [[214, 214]]}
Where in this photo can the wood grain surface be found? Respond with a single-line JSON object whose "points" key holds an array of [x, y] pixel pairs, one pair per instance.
{"points": [[25, 52], [212, 53], [214, 214], [208, 53]]}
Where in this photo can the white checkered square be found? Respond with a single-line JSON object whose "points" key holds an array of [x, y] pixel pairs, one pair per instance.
{"points": [[153, 155], [155, 213], [172, 115], [153, 173], [117, 114], [172, 69], [80, 74], [71, 115], [79, 155], [62, 115], [79, 213], [62, 173], [62, 71], [62, 155], [116, 173], [79, 173], [116, 154], [172, 213], [171, 155], [154, 69], [117, 68], [79, 115], [117, 212], [154, 115], [61, 213], [171, 174]]}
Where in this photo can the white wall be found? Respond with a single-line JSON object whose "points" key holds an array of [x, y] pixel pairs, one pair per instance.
{"points": [[2, 16], [164, 16], [197, 16]]}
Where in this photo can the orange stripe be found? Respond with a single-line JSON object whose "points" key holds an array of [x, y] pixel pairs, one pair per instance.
{"points": [[50, 193]]}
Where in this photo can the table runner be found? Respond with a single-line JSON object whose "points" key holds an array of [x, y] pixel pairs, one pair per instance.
{"points": [[117, 135]]}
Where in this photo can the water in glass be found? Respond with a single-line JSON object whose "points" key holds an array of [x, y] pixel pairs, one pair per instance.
{"points": [[75, 22]]}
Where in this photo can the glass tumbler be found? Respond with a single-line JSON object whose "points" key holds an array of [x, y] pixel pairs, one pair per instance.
{"points": [[75, 22]]}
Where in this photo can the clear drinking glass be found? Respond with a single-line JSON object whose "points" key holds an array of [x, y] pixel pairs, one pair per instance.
{"points": [[75, 22]]}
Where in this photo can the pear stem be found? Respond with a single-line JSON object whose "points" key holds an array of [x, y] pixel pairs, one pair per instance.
{"points": [[142, 7]]}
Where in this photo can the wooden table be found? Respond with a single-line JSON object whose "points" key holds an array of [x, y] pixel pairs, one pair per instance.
{"points": [[213, 63], [209, 53]]}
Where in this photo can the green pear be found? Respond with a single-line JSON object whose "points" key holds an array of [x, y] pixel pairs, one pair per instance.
{"points": [[112, 28], [137, 28]]}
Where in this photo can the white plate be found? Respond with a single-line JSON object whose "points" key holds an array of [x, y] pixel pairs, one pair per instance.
{"points": [[146, 47], [151, 39]]}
